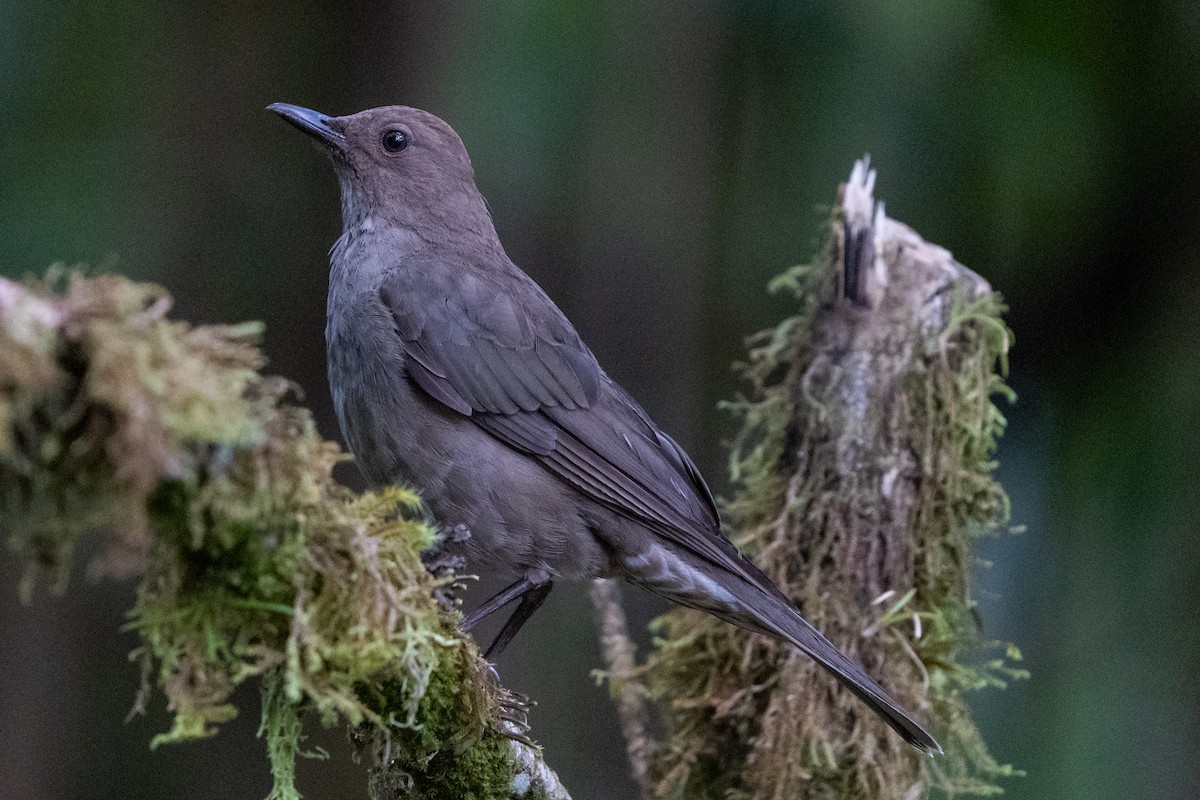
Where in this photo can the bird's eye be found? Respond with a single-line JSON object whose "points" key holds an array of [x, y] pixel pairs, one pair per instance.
{"points": [[395, 141]]}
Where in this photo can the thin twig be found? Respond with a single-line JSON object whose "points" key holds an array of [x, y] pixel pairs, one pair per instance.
{"points": [[620, 664]]}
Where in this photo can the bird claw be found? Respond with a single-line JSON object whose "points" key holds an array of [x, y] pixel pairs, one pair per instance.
{"points": [[517, 736], [517, 701], [513, 721], [515, 708], [517, 719], [512, 709]]}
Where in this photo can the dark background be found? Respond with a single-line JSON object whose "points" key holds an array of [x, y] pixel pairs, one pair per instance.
{"points": [[653, 165]]}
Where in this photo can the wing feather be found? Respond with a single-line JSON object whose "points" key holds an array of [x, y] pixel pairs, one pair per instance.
{"points": [[531, 433], [522, 374]]}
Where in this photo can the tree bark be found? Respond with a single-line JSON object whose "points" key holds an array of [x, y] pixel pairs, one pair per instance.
{"points": [[864, 468]]}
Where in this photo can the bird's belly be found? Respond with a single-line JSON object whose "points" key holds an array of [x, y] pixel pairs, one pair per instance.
{"points": [[521, 518]]}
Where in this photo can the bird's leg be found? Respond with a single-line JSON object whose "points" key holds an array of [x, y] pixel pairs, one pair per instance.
{"points": [[531, 599], [513, 708], [494, 604]]}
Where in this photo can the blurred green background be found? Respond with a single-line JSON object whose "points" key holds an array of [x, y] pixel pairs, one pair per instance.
{"points": [[653, 165]]}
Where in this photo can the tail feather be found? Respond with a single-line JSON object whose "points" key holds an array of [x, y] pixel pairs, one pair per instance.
{"points": [[779, 618], [746, 597]]}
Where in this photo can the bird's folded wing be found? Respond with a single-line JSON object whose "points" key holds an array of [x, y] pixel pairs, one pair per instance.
{"points": [[491, 360], [523, 375]]}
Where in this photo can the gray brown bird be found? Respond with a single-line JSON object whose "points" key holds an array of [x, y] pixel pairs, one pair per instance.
{"points": [[453, 372]]}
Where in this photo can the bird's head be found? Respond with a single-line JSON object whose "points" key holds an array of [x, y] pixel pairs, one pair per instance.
{"points": [[396, 165]]}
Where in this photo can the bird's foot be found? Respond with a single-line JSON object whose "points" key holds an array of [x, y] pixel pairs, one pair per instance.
{"points": [[512, 709]]}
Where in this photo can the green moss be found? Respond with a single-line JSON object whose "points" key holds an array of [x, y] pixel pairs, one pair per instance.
{"points": [[447, 751], [254, 564], [748, 718]]}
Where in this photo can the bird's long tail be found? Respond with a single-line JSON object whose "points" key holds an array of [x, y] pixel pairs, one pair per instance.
{"points": [[774, 615]]}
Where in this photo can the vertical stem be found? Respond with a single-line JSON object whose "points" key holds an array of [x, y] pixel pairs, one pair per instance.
{"points": [[619, 662]]}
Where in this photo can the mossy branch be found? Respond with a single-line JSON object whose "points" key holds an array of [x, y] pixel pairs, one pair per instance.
{"points": [[209, 482], [864, 469]]}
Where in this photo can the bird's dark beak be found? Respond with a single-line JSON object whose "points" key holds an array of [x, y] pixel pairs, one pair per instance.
{"points": [[313, 123]]}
